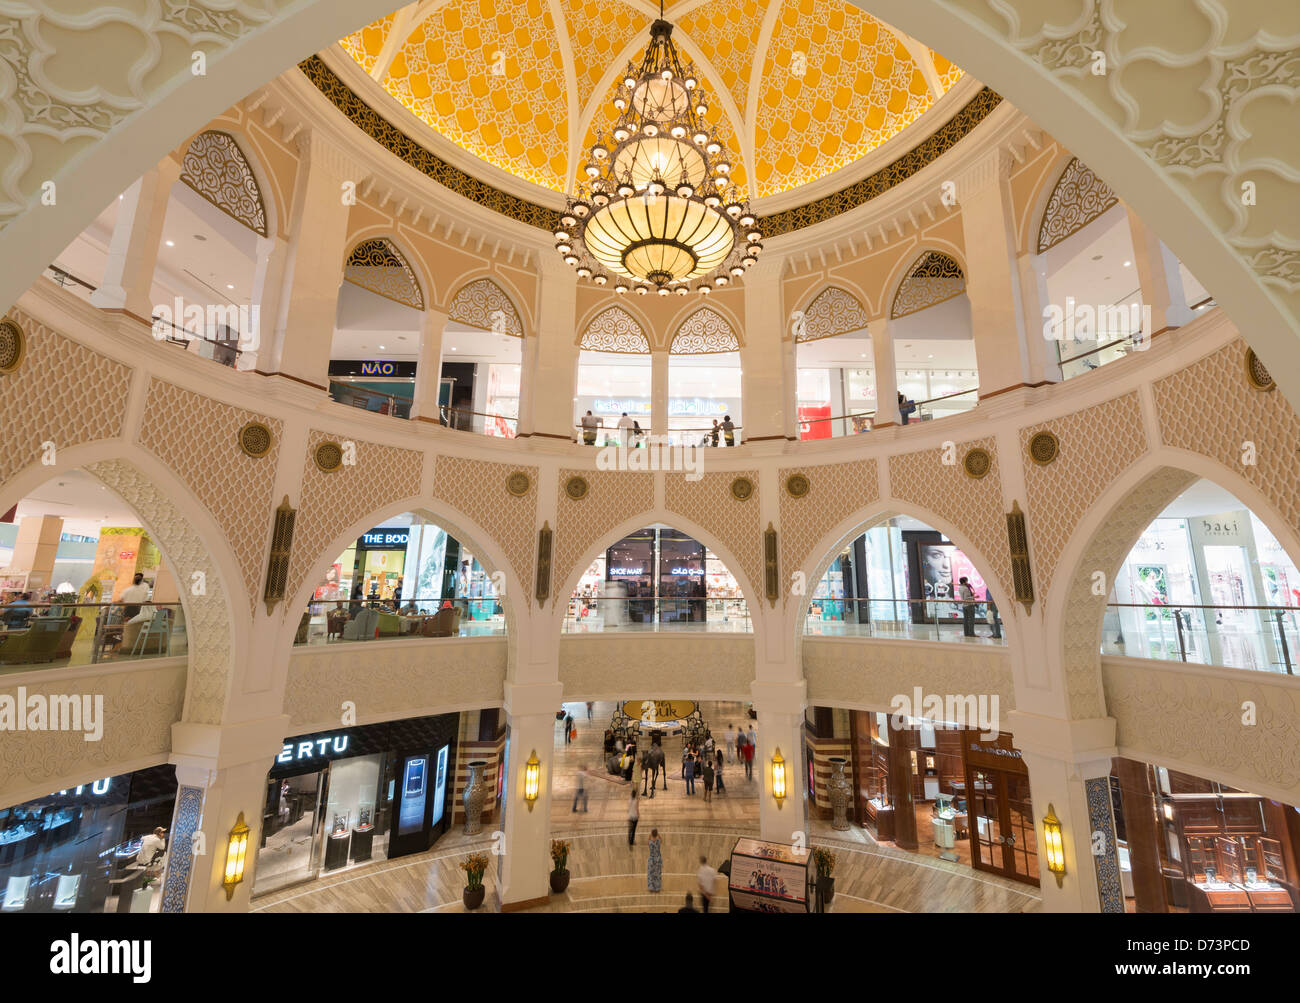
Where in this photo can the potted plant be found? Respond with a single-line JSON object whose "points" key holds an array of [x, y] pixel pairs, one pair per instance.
{"points": [[560, 872], [824, 861], [474, 865]]}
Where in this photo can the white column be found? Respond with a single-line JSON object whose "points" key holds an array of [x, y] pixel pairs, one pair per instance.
{"points": [[546, 408], [230, 764], [133, 248], [428, 370], [1161, 281], [526, 861], [528, 388], [993, 279], [268, 285], [658, 393], [1042, 357], [314, 269], [882, 353], [780, 727], [767, 360]]}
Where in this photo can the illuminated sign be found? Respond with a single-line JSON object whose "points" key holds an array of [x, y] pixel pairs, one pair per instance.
{"points": [[329, 745], [615, 572], [686, 571], [385, 538], [378, 369], [658, 710], [99, 787]]}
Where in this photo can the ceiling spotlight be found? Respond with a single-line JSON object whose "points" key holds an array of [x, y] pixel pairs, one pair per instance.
{"points": [[171, 243]]}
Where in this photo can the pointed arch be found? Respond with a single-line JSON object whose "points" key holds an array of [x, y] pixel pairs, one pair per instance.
{"points": [[832, 312], [483, 304], [378, 265], [1077, 198], [704, 332], [615, 330], [933, 278], [217, 169]]}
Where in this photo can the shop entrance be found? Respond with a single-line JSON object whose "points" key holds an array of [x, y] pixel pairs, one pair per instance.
{"points": [[999, 810], [291, 827]]}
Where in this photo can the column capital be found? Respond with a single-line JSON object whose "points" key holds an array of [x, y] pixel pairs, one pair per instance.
{"points": [[1076, 742], [780, 698], [525, 699], [324, 154], [213, 747], [983, 174]]}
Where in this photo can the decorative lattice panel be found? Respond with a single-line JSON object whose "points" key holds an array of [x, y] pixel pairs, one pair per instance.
{"points": [[832, 313], [710, 503], [380, 267], [933, 279], [971, 507], [330, 503], [62, 393], [1096, 446], [613, 496], [204, 452], [703, 332], [477, 488], [216, 168], [483, 304], [615, 330], [1078, 198], [836, 491]]}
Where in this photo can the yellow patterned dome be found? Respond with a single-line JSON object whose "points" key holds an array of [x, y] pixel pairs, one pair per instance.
{"points": [[800, 90]]}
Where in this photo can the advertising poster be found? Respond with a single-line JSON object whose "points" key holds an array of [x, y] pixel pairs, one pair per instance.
{"points": [[814, 422], [768, 877], [410, 816], [439, 786]]}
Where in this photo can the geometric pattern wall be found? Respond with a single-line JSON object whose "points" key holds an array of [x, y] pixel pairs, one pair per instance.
{"points": [[477, 488], [704, 332], [836, 492], [832, 313], [613, 496], [615, 330], [483, 304], [735, 524]]}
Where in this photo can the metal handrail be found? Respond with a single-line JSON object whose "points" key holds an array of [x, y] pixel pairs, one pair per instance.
{"points": [[1188, 605], [959, 393], [63, 277], [1135, 337]]}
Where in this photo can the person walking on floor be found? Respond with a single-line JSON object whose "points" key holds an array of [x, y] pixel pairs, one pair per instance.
{"points": [[654, 872], [633, 816], [581, 792], [708, 880], [717, 773], [708, 779], [568, 728], [688, 772], [731, 743], [708, 745], [967, 596], [749, 755], [590, 707]]}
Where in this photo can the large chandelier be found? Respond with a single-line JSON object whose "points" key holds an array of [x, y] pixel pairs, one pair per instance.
{"points": [[657, 208]]}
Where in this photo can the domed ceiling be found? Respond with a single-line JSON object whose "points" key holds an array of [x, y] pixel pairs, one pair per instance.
{"points": [[800, 88]]}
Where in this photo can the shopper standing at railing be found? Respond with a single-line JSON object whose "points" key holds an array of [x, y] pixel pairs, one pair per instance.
{"points": [[625, 431], [589, 429], [714, 433], [967, 596], [728, 430], [134, 595]]}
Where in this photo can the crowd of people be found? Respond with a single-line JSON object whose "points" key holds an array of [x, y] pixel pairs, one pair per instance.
{"points": [[628, 432]]}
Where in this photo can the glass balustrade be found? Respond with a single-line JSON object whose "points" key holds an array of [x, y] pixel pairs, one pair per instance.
{"points": [[341, 620], [906, 619], [59, 634], [696, 615], [1263, 638]]}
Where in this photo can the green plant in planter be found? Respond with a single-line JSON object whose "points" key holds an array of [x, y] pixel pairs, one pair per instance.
{"points": [[474, 865], [559, 856], [824, 861]]}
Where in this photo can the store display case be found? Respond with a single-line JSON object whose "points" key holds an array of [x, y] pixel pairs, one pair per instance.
{"points": [[769, 877], [363, 833]]}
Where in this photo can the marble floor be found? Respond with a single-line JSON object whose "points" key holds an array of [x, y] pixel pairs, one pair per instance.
{"points": [[607, 876]]}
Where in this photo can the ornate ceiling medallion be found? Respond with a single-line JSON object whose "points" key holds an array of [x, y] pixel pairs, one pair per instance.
{"points": [[1256, 374], [576, 488], [742, 489], [518, 484], [13, 346], [329, 457], [1043, 448], [255, 439], [658, 208], [977, 463], [797, 486]]}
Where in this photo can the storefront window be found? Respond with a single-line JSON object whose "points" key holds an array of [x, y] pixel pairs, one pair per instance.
{"points": [[703, 389], [98, 847]]}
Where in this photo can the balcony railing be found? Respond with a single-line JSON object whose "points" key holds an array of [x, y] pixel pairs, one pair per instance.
{"points": [[633, 615], [612, 435], [334, 621], [1263, 638], [59, 634], [906, 619]]}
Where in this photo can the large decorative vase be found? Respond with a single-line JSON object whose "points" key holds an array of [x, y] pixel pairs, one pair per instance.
{"points": [[839, 790], [473, 897], [559, 881], [475, 792]]}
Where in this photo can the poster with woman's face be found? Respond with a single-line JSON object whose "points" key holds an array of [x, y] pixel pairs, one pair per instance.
{"points": [[963, 568], [936, 570]]}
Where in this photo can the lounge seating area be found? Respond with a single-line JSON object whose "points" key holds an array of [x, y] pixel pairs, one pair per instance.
{"points": [[61, 640], [371, 624]]}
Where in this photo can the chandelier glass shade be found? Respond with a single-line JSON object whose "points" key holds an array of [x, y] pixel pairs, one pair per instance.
{"points": [[657, 208]]}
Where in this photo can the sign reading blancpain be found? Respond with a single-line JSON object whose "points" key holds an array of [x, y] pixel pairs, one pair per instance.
{"points": [[659, 710]]}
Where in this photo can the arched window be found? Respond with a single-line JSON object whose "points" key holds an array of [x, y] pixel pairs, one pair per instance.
{"points": [[704, 379], [614, 372], [934, 347], [835, 366], [482, 355]]}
